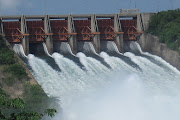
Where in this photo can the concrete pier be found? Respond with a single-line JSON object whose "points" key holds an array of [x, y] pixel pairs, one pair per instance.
{"points": [[72, 36], [49, 40], [1, 26], [96, 34], [119, 33], [25, 37], [140, 25]]}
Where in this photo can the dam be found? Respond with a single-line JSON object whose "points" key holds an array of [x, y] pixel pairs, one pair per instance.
{"points": [[96, 70], [55, 29]]}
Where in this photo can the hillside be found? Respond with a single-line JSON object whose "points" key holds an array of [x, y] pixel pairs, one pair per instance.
{"points": [[166, 25], [17, 82]]}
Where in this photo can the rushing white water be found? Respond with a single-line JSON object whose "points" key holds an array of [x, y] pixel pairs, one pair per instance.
{"points": [[92, 65], [45, 49], [127, 98], [65, 47], [70, 75], [19, 50], [134, 46], [111, 46], [115, 62], [89, 48], [119, 93], [162, 62]]}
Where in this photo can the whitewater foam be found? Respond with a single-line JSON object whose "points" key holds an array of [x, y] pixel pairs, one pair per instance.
{"points": [[111, 46], [100, 93], [45, 49], [115, 62], [19, 50]]}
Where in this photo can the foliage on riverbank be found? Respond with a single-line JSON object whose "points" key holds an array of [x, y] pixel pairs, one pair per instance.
{"points": [[9, 64], [166, 25], [14, 79], [14, 109]]}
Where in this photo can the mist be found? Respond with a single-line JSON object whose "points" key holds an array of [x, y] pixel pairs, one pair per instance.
{"points": [[127, 97], [121, 92]]}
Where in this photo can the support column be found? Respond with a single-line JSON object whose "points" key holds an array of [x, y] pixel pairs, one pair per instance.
{"points": [[96, 38], [1, 26], [72, 38], [49, 40], [25, 38], [140, 25], [119, 37]]}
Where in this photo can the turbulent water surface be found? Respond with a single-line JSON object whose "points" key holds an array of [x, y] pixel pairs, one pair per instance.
{"points": [[118, 92]]}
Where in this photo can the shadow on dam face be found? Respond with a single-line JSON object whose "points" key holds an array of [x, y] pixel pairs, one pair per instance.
{"points": [[64, 49], [111, 49], [88, 49], [39, 50]]}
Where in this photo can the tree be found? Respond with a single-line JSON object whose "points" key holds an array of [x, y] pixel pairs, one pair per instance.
{"points": [[166, 25], [17, 106]]}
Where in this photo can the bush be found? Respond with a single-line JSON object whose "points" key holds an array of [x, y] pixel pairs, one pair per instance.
{"points": [[6, 56], [14, 109], [2, 42], [35, 98], [9, 81], [16, 70], [2, 93], [166, 25]]}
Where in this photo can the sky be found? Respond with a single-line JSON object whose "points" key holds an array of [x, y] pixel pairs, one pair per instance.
{"points": [[40, 7]]}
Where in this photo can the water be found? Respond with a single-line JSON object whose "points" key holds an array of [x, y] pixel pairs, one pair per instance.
{"points": [[63, 48], [87, 48], [119, 92], [19, 50], [109, 47]]}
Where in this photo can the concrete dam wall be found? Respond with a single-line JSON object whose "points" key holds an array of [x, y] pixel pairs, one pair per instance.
{"points": [[71, 29]]}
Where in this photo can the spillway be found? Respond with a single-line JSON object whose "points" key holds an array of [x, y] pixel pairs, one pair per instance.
{"points": [[122, 91]]}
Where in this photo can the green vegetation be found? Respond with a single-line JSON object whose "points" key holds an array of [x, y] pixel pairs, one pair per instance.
{"points": [[166, 25], [10, 65], [34, 100], [34, 94], [16, 70], [6, 55], [16, 109], [9, 81]]}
